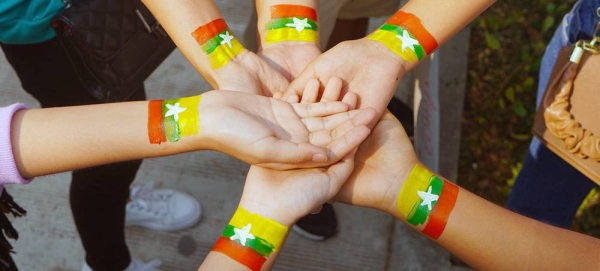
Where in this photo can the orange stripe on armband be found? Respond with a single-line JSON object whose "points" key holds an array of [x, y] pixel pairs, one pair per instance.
{"points": [[413, 24], [441, 212], [241, 254]]}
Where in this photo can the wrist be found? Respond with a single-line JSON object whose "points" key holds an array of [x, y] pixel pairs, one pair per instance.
{"points": [[405, 36], [426, 201], [212, 110], [390, 202], [279, 22], [250, 238], [219, 45], [401, 66], [271, 211], [221, 78]]}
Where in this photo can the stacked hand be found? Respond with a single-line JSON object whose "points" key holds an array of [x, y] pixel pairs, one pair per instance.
{"points": [[380, 170], [366, 68], [285, 196], [251, 74], [370, 177], [276, 134], [289, 58]]}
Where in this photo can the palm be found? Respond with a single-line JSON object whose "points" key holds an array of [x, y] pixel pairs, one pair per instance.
{"points": [[273, 133], [290, 58], [250, 74], [294, 193], [387, 154], [366, 67]]}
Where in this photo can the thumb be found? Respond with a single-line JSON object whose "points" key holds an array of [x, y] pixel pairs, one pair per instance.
{"points": [[341, 171], [283, 155], [297, 86]]}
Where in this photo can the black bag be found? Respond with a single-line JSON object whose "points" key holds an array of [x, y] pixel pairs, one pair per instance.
{"points": [[114, 45]]}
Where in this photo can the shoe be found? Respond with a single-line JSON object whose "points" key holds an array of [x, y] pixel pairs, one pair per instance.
{"points": [[161, 209], [135, 265], [317, 227]]}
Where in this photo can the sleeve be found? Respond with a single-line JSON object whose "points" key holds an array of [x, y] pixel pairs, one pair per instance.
{"points": [[9, 174]]}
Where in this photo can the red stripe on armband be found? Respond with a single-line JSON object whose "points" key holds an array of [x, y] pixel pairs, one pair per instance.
{"points": [[441, 212]]}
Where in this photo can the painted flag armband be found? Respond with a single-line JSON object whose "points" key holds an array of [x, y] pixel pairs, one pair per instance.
{"points": [[250, 238], [292, 23], [425, 198], [217, 41], [404, 34], [169, 120]]}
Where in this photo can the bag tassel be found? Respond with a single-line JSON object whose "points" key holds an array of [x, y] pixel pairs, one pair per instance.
{"points": [[8, 205]]}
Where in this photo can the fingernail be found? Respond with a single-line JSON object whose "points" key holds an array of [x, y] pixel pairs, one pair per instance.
{"points": [[319, 158]]}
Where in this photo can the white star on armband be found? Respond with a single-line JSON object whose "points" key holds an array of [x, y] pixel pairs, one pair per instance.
{"points": [[242, 235], [427, 198], [407, 41], [299, 24], [226, 38], [174, 110]]}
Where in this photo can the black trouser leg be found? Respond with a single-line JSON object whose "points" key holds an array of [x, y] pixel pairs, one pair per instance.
{"points": [[98, 195]]}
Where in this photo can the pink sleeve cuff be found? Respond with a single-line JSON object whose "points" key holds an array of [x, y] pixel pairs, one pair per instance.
{"points": [[9, 174]]}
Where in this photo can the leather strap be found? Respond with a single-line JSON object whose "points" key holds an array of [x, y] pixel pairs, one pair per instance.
{"points": [[559, 118]]}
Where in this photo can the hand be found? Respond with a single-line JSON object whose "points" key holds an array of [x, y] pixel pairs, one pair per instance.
{"points": [[276, 134], [251, 74], [366, 67], [383, 162], [289, 58], [286, 196]]}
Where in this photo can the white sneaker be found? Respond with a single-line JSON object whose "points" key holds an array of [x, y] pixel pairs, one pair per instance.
{"points": [[161, 209], [135, 265]]}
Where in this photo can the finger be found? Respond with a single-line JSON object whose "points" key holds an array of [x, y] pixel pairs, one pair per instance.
{"points": [[317, 210], [293, 99], [325, 136], [340, 172], [311, 91], [365, 116], [316, 124], [319, 109], [332, 90], [322, 138], [342, 144], [273, 151], [297, 86], [350, 99], [278, 95]]}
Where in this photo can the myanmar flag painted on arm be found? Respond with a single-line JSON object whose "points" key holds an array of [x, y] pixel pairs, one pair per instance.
{"points": [[250, 239], [218, 42], [292, 23], [404, 35], [427, 199], [168, 120]]}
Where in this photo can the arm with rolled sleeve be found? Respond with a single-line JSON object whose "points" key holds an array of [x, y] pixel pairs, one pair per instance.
{"points": [[9, 174]]}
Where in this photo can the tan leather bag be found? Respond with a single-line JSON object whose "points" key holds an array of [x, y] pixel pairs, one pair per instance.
{"points": [[568, 119]]}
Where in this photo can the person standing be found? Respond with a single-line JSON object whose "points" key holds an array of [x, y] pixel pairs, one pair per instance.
{"points": [[101, 201], [549, 189]]}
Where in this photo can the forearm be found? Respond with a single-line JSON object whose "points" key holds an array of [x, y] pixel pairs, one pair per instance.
{"points": [[182, 20], [274, 15], [53, 140], [429, 24], [233, 251], [443, 19], [487, 236]]}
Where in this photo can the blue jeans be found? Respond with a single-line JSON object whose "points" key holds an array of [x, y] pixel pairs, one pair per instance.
{"points": [[548, 189]]}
